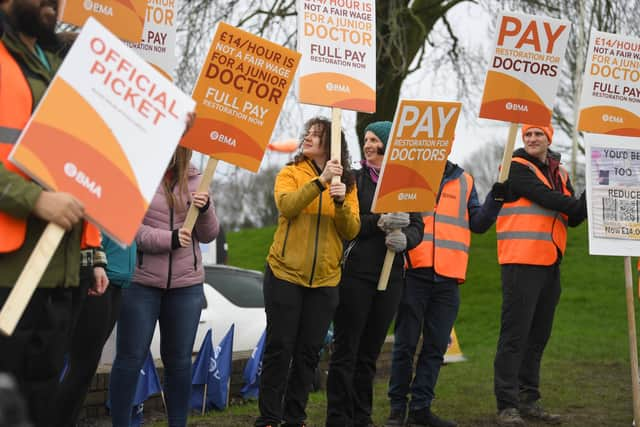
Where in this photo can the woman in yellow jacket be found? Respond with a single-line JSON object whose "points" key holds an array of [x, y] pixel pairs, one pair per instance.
{"points": [[303, 270]]}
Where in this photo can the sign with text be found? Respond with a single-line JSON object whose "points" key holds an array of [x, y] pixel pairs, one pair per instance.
{"points": [[610, 101], [613, 189], [337, 40], [419, 144], [104, 131], [523, 77], [239, 95], [158, 42], [124, 18]]}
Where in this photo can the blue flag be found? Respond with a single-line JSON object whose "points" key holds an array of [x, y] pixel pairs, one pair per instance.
{"points": [[253, 370], [200, 375], [218, 392], [212, 372], [148, 384]]}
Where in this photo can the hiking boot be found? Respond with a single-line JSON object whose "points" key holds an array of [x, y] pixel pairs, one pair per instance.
{"points": [[534, 411], [424, 417], [509, 417], [396, 418]]}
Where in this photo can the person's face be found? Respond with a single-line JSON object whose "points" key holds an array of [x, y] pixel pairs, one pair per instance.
{"points": [[312, 146], [34, 18], [536, 143], [372, 148]]}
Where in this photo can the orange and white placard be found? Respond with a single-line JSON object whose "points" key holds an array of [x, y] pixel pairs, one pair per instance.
{"points": [[104, 131], [124, 18], [239, 94], [337, 40], [524, 73], [158, 42], [610, 102], [419, 144]]}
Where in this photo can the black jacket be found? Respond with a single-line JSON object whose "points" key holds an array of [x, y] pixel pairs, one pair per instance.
{"points": [[524, 183], [365, 254]]}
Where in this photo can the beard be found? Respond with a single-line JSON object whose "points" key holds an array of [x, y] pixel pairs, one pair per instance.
{"points": [[29, 19]]}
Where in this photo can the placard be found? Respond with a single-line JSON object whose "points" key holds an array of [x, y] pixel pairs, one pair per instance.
{"points": [[524, 74], [613, 190], [419, 144], [337, 40], [610, 101], [104, 131], [124, 18], [239, 94]]}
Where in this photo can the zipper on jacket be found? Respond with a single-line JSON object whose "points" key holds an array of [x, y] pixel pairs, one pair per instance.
{"points": [[140, 254], [286, 236], [195, 257], [171, 251], [315, 247]]}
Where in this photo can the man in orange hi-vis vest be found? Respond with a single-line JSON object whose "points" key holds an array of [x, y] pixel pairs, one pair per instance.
{"points": [[34, 354], [532, 236], [431, 296]]}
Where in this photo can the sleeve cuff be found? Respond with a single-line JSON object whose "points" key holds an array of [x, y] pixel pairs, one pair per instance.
{"points": [[319, 184], [175, 241]]}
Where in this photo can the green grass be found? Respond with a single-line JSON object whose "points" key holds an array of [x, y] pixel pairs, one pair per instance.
{"points": [[585, 372]]}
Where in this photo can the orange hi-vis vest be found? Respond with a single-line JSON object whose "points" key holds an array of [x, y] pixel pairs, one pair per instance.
{"points": [[446, 241], [528, 233], [16, 104]]}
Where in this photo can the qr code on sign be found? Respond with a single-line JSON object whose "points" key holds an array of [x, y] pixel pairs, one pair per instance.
{"points": [[628, 211], [620, 210]]}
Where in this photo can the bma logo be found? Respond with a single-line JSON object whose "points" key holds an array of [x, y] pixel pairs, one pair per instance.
{"points": [[81, 178], [213, 367], [95, 7], [516, 107], [337, 87], [611, 118], [407, 196], [217, 136]]}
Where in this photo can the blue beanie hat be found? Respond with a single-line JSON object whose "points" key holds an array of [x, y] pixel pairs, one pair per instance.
{"points": [[381, 129]]}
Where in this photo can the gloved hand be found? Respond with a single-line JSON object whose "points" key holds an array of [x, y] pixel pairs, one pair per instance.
{"points": [[500, 191], [392, 221], [396, 240]]}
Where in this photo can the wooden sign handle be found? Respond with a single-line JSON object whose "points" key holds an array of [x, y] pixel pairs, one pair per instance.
{"points": [[508, 151], [336, 132], [633, 349], [386, 270], [207, 177], [29, 278]]}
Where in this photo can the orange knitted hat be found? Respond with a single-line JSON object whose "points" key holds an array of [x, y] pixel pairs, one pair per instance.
{"points": [[548, 130]]}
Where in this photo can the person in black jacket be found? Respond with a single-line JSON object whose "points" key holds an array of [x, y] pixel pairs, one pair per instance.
{"points": [[532, 235], [364, 314]]}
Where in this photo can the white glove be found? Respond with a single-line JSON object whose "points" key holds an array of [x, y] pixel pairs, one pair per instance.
{"points": [[392, 221], [396, 240]]}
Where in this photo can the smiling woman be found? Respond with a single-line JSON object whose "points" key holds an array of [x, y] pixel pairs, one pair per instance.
{"points": [[303, 270]]}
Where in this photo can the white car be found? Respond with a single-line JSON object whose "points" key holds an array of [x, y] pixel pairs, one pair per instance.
{"points": [[232, 296]]}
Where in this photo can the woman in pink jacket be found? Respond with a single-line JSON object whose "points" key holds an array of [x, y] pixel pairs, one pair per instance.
{"points": [[166, 287]]}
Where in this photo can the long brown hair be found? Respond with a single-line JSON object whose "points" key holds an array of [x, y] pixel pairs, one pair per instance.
{"points": [[177, 175], [325, 142]]}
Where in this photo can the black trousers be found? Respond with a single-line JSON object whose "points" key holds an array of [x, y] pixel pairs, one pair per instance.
{"points": [[530, 294], [360, 326], [95, 321], [34, 354], [297, 322]]}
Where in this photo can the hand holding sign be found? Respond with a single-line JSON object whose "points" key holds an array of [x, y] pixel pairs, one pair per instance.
{"points": [[61, 209]]}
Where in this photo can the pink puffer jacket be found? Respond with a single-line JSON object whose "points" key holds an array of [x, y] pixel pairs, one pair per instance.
{"points": [[157, 264]]}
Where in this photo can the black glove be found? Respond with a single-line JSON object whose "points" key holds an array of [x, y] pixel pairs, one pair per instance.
{"points": [[500, 191]]}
